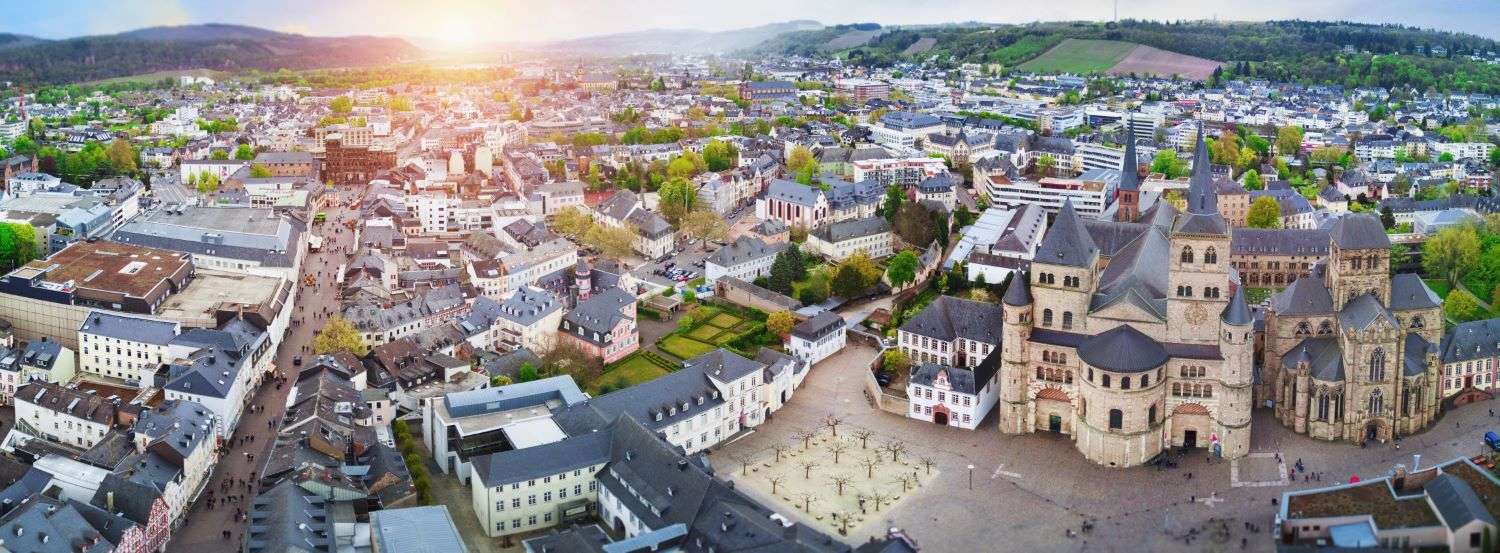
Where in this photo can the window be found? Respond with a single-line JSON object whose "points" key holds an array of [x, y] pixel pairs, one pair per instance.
{"points": [[1067, 320], [1151, 415], [1210, 256], [1145, 380], [1376, 404], [1322, 405], [1303, 328], [1124, 383], [1116, 419], [1187, 254], [1046, 317], [1104, 381], [1377, 365]]}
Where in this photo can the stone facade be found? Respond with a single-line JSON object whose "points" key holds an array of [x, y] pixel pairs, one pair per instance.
{"points": [[1351, 353], [1101, 344]]}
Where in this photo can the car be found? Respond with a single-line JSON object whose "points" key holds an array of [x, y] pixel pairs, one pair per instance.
{"points": [[297, 361], [1492, 439]]}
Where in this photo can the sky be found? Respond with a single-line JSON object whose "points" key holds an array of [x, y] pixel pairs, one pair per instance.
{"points": [[485, 21]]}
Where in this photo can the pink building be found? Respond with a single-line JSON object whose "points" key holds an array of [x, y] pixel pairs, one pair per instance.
{"points": [[603, 325]]}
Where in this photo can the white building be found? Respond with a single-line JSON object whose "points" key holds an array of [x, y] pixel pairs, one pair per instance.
{"points": [[62, 416], [817, 338], [840, 240], [747, 259], [125, 347], [954, 396]]}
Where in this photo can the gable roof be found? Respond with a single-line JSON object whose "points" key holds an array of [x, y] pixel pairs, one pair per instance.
{"points": [[948, 318], [1067, 242]]}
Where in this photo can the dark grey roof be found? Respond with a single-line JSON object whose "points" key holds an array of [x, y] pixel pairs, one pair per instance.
{"points": [[248, 233], [851, 229], [794, 192], [48, 525], [527, 306], [416, 530], [1299, 242], [1134, 275], [288, 518], [520, 465], [819, 325], [132, 329], [743, 249], [1324, 358], [1363, 311], [963, 380], [1067, 242], [601, 312], [1415, 352], [1202, 196], [1130, 176], [722, 365], [1305, 296], [1408, 291], [948, 318], [1472, 340], [1457, 502], [1123, 349], [1018, 293], [1237, 313], [1112, 236], [1360, 231]]}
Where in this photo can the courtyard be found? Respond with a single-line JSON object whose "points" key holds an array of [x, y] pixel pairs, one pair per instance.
{"points": [[1037, 493]]}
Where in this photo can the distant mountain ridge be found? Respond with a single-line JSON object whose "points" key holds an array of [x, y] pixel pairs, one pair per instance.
{"points": [[663, 41], [215, 46]]}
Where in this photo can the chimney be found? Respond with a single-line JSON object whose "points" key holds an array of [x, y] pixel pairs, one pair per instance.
{"points": [[109, 501]]}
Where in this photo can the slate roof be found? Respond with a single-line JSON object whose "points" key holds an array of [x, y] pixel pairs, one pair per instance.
{"points": [[1408, 291], [743, 250], [1415, 352], [1130, 176], [1134, 275], [1305, 296], [253, 234], [818, 326], [600, 313], [416, 530], [1363, 311], [851, 229], [1324, 358], [1237, 312], [948, 318], [1298, 242], [288, 518], [111, 324], [63, 524], [723, 366], [1067, 242], [793, 192], [514, 396], [1018, 293], [1457, 502], [1472, 340], [1360, 231], [963, 380], [527, 306], [1123, 349]]}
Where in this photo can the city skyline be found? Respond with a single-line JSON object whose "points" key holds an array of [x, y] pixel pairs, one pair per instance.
{"points": [[473, 22]]}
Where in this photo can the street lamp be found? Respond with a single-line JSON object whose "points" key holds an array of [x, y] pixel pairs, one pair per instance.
{"points": [[971, 476]]}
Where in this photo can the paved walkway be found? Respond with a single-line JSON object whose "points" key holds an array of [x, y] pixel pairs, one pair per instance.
{"points": [[211, 515], [1030, 491]]}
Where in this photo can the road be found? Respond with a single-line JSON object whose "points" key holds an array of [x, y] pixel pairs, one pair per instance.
{"points": [[210, 516]]}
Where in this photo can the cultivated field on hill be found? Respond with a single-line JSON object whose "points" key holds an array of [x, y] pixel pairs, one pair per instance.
{"points": [[1118, 58], [852, 39]]}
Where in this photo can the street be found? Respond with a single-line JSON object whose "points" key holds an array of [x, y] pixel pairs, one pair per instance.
{"points": [[233, 484]]}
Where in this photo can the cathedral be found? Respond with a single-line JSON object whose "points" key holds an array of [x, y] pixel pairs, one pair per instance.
{"points": [[1132, 337], [1351, 353]]}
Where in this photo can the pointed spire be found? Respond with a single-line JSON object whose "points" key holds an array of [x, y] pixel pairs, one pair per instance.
{"points": [[1237, 313], [1202, 198], [1019, 291], [1067, 242], [1130, 166]]}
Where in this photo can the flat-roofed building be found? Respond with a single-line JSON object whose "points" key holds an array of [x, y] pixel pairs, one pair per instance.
{"points": [[237, 239]]}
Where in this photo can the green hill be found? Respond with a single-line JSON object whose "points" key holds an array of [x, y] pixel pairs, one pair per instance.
{"points": [[1076, 55]]}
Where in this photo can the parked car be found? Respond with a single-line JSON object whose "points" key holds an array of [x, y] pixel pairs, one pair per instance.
{"points": [[1492, 439]]}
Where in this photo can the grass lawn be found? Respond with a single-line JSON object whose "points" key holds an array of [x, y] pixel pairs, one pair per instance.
{"points": [[633, 370], [1439, 285], [705, 333], [724, 321], [683, 348], [1079, 56], [1256, 295]]}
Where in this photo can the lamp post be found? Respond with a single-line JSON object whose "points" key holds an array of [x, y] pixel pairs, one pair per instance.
{"points": [[971, 476]]}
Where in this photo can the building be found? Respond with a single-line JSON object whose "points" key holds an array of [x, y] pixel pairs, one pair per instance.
{"points": [[1448, 507], [66, 417], [793, 204], [863, 90], [905, 130], [747, 259], [125, 348], [1351, 353], [44, 360], [475, 423], [1000, 242], [654, 236], [871, 235], [1274, 258], [222, 371], [286, 164], [603, 325], [415, 530], [345, 164], [951, 331], [250, 240], [557, 196], [1135, 341], [953, 396], [527, 319], [752, 91], [817, 338], [1469, 353], [1090, 194]]}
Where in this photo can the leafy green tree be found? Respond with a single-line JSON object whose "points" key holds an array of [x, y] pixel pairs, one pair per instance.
{"points": [[1445, 157], [902, 268], [258, 171], [244, 152], [1400, 255], [894, 195], [339, 335], [1462, 307], [1387, 217], [1451, 252], [1289, 140], [1168, 164], [847, 282], [219, 155], [799, 159], [208, 183], [341, 104], [122, 156], [611, 241], [572, 222], [895, 360], [799, 262], [780, 323], [719, 155], [783, 273], [527, 373], [676, 198], [1253, 180], [1264, 213]]}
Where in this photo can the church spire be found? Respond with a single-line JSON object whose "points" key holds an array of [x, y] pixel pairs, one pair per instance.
{"points": [[1130, 166], [1202, 198]]}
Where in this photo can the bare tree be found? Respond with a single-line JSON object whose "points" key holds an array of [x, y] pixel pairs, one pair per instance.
{"points": [[775, 481], [833, 422], [807, 466], [870, 463], [780, 448], [905, 480], [928, 462], [844, 519], [895, 448], [839, 482], [806, 435], [808, 498], [744, 459], [837, 447], [877, 498], [864, 435]]}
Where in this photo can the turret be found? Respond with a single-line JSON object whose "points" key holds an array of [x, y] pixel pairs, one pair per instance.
{"points": [[1015, 331], [583, 277]]}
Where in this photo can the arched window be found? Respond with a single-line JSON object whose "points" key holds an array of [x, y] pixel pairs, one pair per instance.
{"points": [[1151, 415], [1124, 383], [1416, 322], [1325, 327], [1377, 403], [1091, 374], [1322, 405], [1145, 380], [1116, 419], [1187, 254], [1377, 365], [1338, 406], [1067, 320], [1038, 373], [1210, 256], [1104, 381], [1303, 328], [1046, 317]]}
